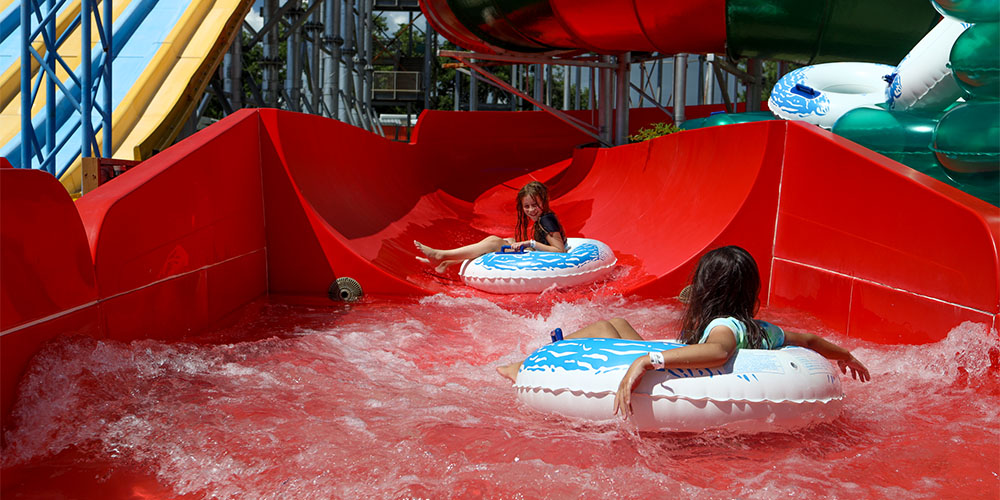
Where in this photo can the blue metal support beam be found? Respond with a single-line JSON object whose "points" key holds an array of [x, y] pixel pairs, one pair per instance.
{"points": [[106, 23], [83, 78]]}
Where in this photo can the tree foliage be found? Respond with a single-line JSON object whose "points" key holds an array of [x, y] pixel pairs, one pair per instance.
{"points": [[653, 131]]}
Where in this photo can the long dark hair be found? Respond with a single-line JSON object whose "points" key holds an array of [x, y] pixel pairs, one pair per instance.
{"points": [[525, 229], [726, 283]]}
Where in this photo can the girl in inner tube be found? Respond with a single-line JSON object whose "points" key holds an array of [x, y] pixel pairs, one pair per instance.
{"points": [[718, 321], [537, 229]]}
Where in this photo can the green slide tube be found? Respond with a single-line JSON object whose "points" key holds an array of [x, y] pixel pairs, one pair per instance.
{"points": [[814, 32]]}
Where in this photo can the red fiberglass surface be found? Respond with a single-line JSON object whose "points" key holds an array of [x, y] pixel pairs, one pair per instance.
{"points": [[776, 188], [641, 197], [395, 396]]}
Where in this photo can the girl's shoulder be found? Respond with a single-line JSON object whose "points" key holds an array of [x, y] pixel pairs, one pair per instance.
{"points": [[737, 326], [774, 336], [549, 222]]}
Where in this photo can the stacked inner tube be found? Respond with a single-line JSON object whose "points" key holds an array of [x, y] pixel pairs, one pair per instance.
{"points": [[940, 113]]}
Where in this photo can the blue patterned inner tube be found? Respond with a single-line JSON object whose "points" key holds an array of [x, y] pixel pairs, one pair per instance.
{"points": [[585, 260], [822, 93], [755, 390]]}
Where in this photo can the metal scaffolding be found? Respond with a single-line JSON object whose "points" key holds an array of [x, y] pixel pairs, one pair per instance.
{"points": [[38, 136], [335, 58], [314, 56]]}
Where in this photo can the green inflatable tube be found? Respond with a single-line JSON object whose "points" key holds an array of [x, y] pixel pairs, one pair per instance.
{"points": [[727, 119], [907, 137], [967, 139], [692, 124], [975, 61], [970, 11], [903, 136], [730, 118]]}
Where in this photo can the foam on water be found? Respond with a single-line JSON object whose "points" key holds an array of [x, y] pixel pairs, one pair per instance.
{"points": [[401, 400]]}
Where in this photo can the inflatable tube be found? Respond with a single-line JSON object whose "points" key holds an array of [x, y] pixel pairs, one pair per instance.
{"points": [[723, 118], [970, 11], [716, 119], [923, 79], [585, 260], [822, 93], [975, 61], [967, 140], [756, 390], [903, 136]]}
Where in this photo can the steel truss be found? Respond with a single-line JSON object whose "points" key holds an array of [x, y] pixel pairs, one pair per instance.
{"points": [[613, 87], [331, 49], [38, 19], [327, 64]]}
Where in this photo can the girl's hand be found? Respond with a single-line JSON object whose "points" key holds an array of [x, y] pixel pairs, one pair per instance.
{"points": [[522, 246], [623, 398], [858, 370]]}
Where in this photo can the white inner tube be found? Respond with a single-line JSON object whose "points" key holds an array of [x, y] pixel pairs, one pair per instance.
{"points": [[757, 390], [584, 261], [923, 79], [822, 93]]}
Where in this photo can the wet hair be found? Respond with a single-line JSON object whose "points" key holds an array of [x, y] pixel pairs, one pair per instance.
{"points": [[525, 229], [726, 283]]}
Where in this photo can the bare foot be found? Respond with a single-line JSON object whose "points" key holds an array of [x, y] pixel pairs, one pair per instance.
{"points": [[431, 253], [434, 256], [509, 371], [442, 265]]}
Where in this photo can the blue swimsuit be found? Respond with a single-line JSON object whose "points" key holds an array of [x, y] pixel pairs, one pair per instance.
{"points": [[773, 339]]}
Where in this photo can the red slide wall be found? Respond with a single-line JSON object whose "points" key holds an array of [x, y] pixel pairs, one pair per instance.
{"points": [[183, 233], [877, 249], [48, 286], [162, 251]]}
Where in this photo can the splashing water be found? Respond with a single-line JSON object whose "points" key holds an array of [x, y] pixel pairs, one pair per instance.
{"points": [[401, 400]]}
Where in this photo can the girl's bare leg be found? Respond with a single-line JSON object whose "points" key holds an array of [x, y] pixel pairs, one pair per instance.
{"points": [[509, 371], [441, 259], [625, 330], [616, 328]]}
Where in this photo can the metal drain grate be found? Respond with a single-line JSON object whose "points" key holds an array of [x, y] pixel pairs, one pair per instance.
{"points": [[346, 289], [685, 295]]}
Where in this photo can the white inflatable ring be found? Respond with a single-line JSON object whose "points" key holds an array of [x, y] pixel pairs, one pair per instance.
{"points": [[585, 260], [757, 390], [923, 79], [822, 93]]}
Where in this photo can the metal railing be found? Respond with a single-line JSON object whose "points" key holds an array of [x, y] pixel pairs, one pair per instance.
{"points": [[397, 85]]}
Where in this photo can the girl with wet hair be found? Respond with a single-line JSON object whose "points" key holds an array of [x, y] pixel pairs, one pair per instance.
{"points": [[717, 322], [537, 229]]}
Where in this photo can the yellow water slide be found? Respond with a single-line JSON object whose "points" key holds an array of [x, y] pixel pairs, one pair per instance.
{"points": [[155, 109]]}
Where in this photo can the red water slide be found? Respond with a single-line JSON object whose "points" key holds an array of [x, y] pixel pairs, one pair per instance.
{"points": [[170, 248], [793, 30], [838, 231]]}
